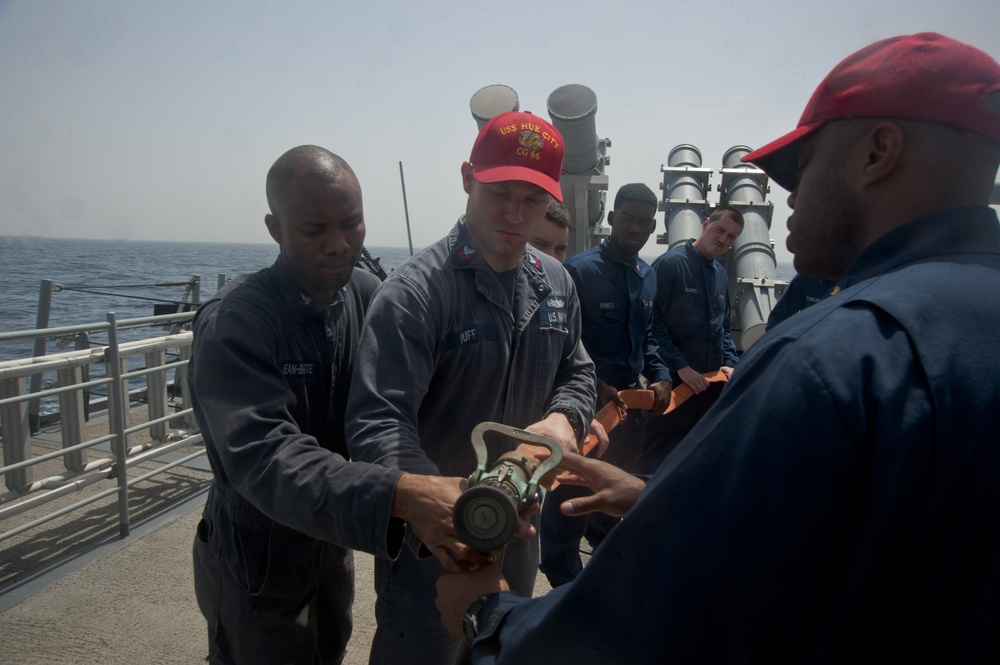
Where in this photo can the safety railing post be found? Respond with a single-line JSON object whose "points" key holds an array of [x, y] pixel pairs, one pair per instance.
{"points": [[181, 383], [118, 406], [156, 393], [41, 321], [15, 434], [83, 342], [71, 413]]}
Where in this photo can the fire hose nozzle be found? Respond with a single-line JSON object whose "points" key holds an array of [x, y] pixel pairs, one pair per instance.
{"points": [[485, 515]]}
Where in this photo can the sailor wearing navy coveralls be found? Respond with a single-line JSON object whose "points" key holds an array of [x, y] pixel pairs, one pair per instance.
{"points": [[692, 327], [474, 328], [269, 376], [855, 516], [617, 291]]}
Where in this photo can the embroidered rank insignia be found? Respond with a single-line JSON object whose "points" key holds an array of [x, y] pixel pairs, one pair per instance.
{"points": [[466, 253]]}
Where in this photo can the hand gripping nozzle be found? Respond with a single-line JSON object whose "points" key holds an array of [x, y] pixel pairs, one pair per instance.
{"points": [[485, 514]]}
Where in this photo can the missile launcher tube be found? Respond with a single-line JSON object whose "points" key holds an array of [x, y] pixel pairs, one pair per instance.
{"points": [[492, 100], [685, 186], [573, 110], [751, 263]]}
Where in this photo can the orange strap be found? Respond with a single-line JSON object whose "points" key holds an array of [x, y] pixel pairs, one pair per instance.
{"points": [[611, 414], [681, 393]]}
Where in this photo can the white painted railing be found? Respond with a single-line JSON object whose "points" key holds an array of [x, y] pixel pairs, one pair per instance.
{"points": [[115, 452]]}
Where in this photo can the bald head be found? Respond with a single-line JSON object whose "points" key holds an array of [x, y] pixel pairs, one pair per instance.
{"points": [[308, 161], [317, 219]]}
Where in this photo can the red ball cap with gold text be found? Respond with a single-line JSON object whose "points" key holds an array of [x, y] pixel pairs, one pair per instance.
{"points": [[517, 145], [925, 77]]}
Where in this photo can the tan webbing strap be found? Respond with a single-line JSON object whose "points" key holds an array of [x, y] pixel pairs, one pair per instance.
{"points": [[611, 414]]}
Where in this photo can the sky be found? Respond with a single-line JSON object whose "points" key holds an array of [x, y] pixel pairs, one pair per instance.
{"points": [[122, 119]]}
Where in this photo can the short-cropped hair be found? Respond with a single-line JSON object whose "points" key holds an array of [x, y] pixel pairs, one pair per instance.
{"points": [[557, 214], [727, 211], [635, 191]]}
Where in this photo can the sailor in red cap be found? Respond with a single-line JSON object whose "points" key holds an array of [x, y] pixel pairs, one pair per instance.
{"points": [[474, 328], [841, 501]]}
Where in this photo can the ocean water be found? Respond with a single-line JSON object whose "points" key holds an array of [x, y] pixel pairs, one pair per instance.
{"points": [[122, 277], [119, 276], [93, 277]]}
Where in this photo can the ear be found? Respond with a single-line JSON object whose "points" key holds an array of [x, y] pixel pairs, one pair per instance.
{"points": [[883, 148], [611, 218], [467, 177], [273, 227]]}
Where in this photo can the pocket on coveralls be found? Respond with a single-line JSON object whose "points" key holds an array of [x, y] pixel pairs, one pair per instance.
{"points": [[207, 571]]}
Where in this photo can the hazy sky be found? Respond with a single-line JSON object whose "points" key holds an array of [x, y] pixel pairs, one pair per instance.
{"points": [[159, 120]]}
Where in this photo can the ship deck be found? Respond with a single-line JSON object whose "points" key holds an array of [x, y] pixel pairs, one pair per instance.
{"points": [[73, 591], [132, 601]]}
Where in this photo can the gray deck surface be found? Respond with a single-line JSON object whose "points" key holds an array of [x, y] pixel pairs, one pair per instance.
{"points": [[132, 601], [73, 592]]}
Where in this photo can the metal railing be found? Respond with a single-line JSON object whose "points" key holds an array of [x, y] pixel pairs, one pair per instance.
{"points": [[118, 450]]}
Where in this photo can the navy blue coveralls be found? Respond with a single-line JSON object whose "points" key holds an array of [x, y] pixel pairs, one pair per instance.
{"points": [[800, 293], [616, 308], [445, 348], [693, 329], [269, 377], [839, 503]]}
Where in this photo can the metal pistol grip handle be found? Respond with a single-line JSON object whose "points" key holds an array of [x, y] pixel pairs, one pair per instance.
{"points": [[485, 514], [521, 436]]}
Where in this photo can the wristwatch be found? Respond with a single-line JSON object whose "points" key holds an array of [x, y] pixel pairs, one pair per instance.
{"points": [[575, 420], [470, 620]]}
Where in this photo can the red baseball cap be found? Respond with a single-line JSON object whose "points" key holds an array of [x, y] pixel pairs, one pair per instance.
{"points": [[926, 77], [519, 146]]}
